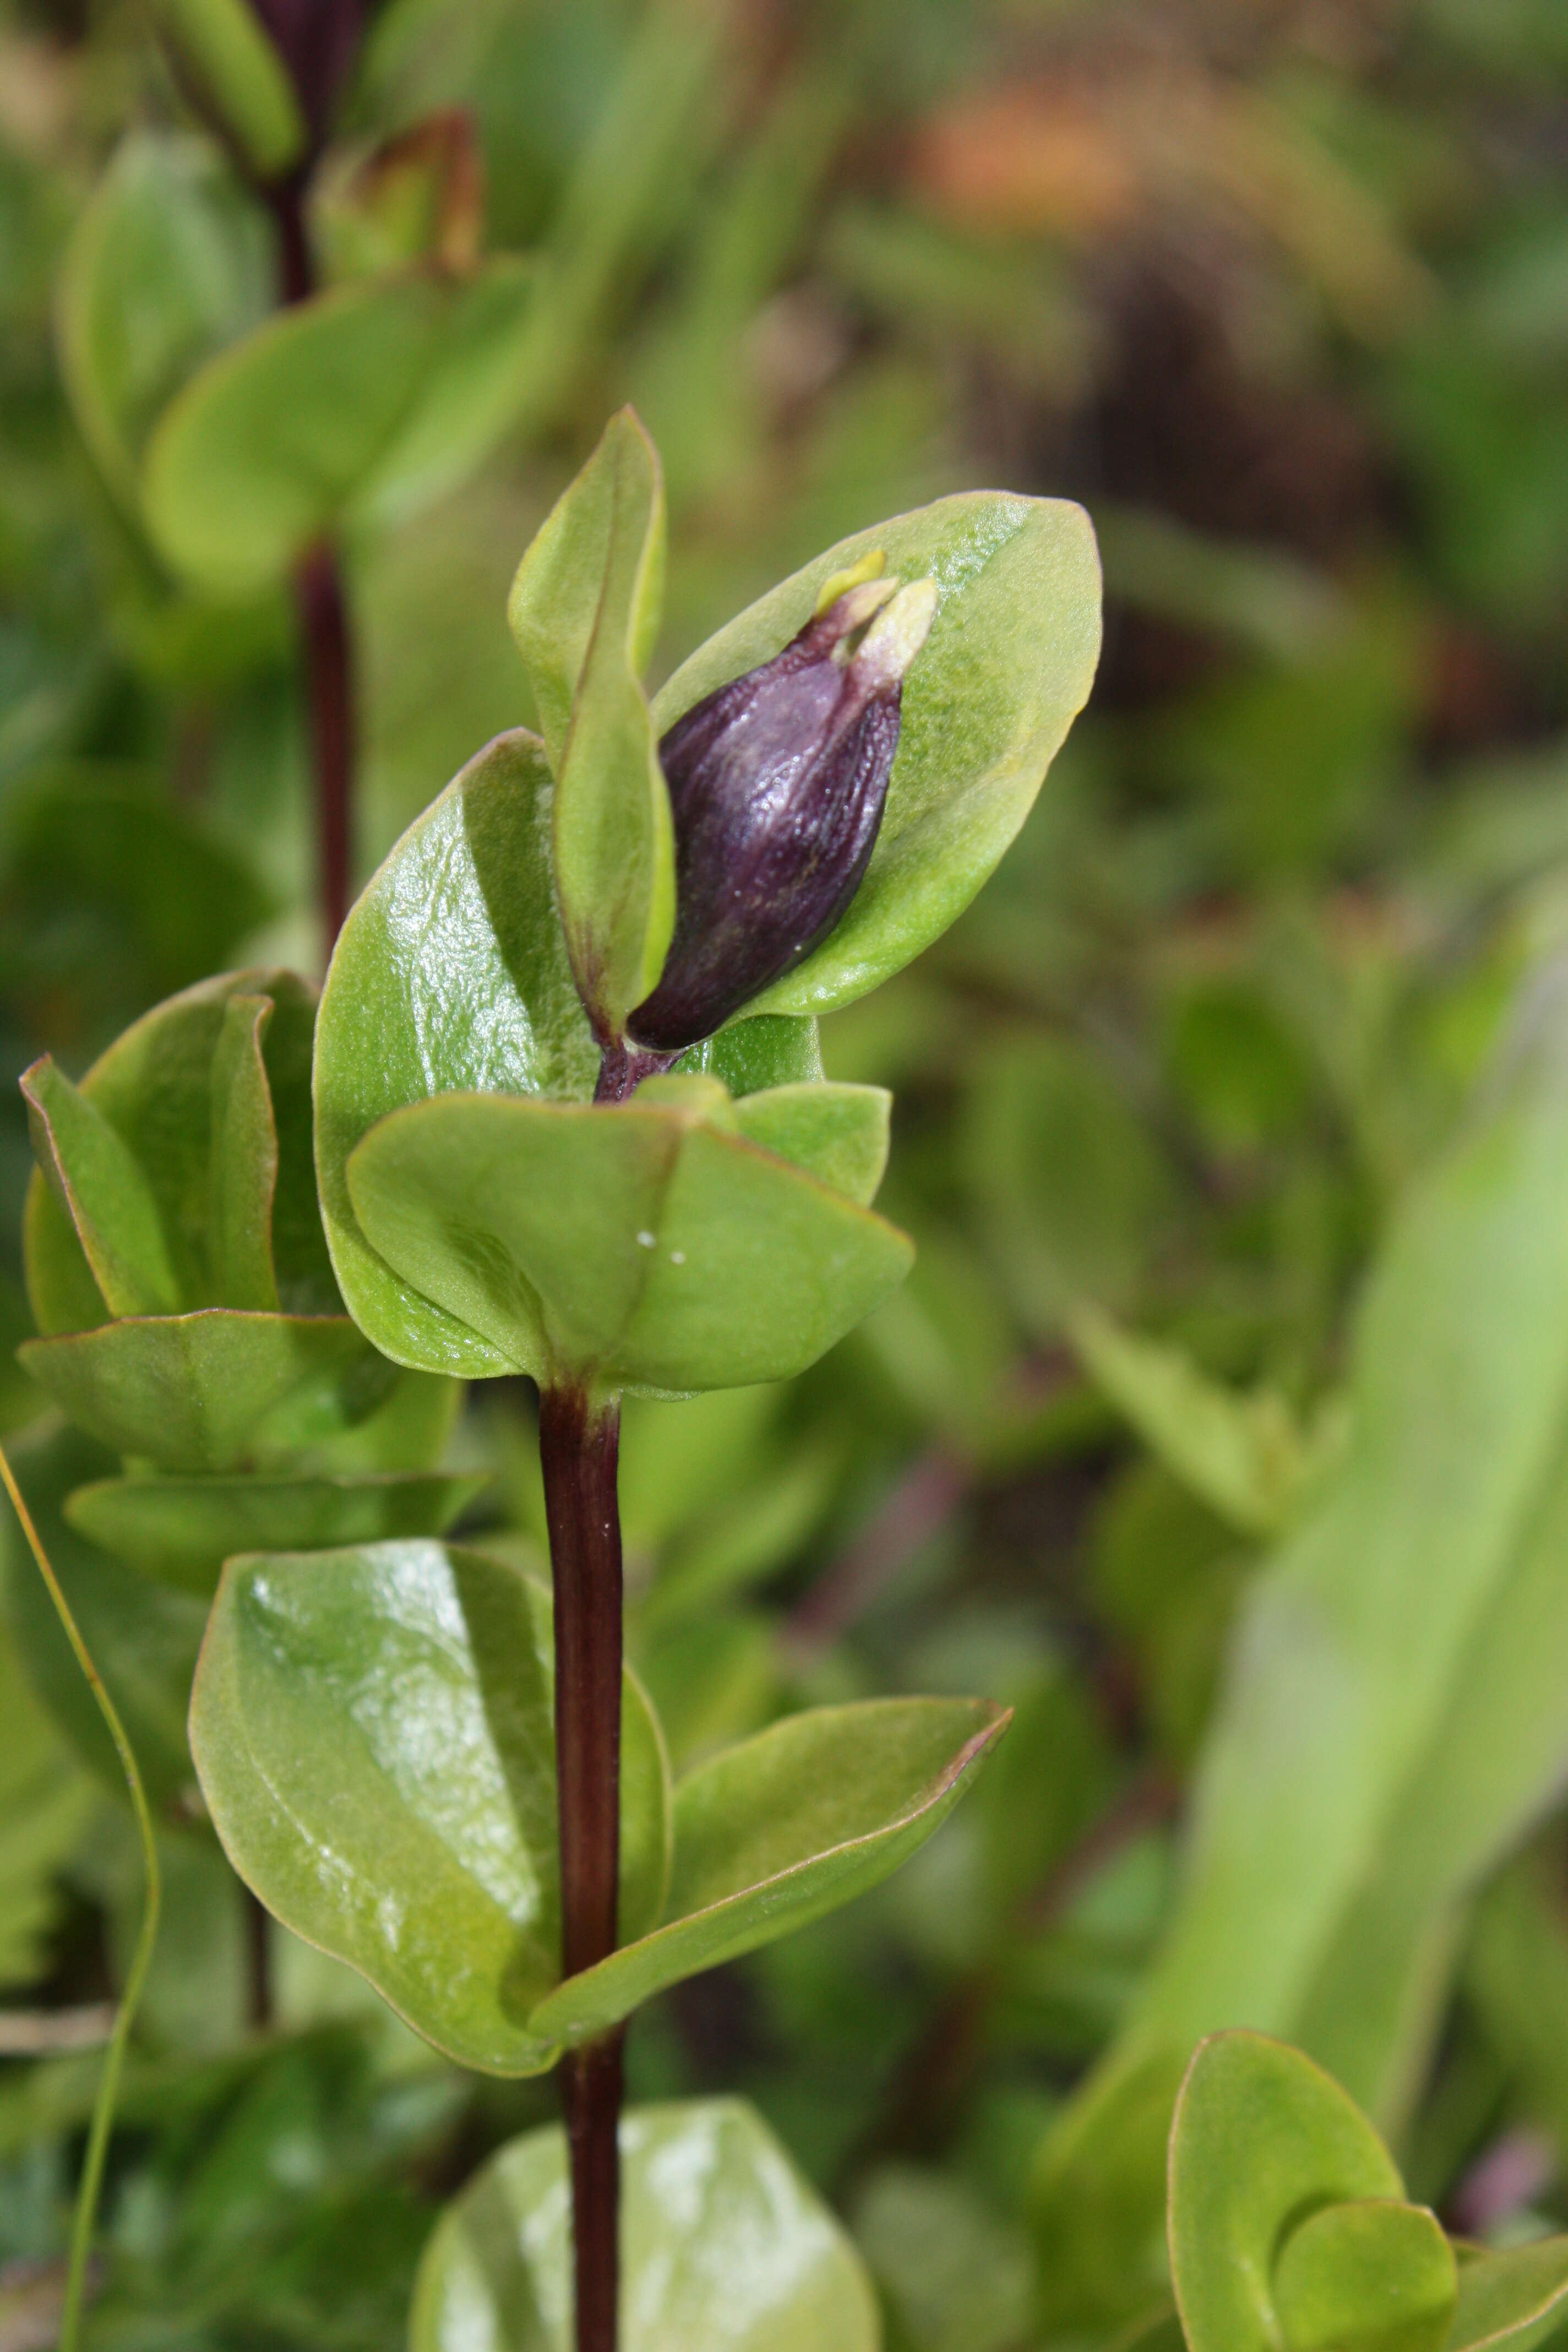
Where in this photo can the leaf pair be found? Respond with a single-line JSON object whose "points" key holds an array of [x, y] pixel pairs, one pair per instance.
{"points": [[682, 1241], [177, 1266], [1289, 2231], [373, 1733]]}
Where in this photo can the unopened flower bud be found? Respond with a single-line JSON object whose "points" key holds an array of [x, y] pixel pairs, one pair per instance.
{"points": [[778, 783]]}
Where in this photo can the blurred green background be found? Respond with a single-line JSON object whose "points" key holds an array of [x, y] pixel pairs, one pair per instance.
{"points": [[1280, 293]]}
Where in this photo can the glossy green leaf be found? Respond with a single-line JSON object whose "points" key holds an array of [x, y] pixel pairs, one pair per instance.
{"points": [[181, 1530], [1516, 2297], [224, 45], [990, 697], [374, 1730], [781, 1830], [211, 1391], [243, 1167], [1260, 2139], [169, 261], [1369, 2276], [585, 610], [154, 1086], [97, 1182], [452, 976], [639, 1244], [724, 2247]]}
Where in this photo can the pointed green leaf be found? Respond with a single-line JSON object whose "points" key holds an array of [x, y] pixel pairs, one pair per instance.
{"points": [[97, 1180], [990, 697], [636, 1243], [181, 1530], [1369, 2276], [168, 262], [209, 1391], [225, 45], [1261, 2138], [451, 976], [243, 1177], [154, 1086], [724, 2247], [838, 1132], [585, 610], [1514, 2298], [781, 1830], [373, 1731], [604, 537]]}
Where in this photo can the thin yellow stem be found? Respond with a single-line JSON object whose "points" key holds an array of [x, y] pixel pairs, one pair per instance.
{"points": [[109, 2085]]}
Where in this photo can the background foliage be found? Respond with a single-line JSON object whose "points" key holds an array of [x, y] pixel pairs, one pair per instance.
{"points": [[1220, 1428]]}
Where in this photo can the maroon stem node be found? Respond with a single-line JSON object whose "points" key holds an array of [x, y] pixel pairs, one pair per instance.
{"points": [[579, 1442]]}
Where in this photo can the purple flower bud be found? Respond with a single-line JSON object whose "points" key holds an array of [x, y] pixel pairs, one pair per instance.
{"points": [[778, 783]]}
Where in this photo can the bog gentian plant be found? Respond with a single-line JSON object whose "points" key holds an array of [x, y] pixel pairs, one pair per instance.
{"points": [[569, 1122]]}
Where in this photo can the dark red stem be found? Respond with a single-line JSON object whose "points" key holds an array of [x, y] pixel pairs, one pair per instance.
{"points": [[579, 1441], [326, 644]]}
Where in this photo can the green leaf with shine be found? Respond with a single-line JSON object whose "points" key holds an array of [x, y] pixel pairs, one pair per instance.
{"points": [[1261, 2138], [181, 1530], [638, 1245], [724, 2247], [986, 705], [451, 976], [783, 1829], [373, 1732], [1373, 2275], [210, 1391]]}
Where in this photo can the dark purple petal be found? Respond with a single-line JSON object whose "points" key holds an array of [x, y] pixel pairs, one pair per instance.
{"points": [[777, 783]]}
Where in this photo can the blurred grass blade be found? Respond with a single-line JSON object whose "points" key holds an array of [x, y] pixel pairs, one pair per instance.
{"points": [[109, 2085]]}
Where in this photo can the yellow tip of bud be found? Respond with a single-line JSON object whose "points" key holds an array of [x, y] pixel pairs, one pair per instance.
{"points": [[871, 566]]}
